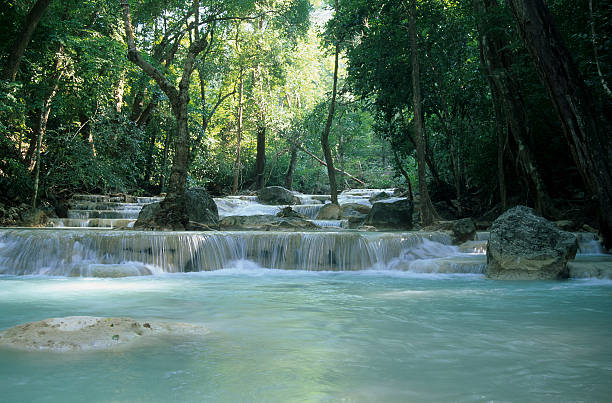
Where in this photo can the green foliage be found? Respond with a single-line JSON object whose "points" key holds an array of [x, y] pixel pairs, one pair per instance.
{"points": [[280, 51]]}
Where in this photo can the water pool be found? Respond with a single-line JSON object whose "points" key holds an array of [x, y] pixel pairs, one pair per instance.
{"points": [[283, 336]]}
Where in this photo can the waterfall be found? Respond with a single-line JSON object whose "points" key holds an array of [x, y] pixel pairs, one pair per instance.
{"points": [[73, 252]]}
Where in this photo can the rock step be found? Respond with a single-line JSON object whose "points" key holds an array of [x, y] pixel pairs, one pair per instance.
{"points": [[92, 222], [87, 214]]}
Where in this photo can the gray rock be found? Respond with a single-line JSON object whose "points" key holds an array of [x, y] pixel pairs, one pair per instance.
{"points": [[33, 217], [525, 246], [201, 209], [265, 223], [463, 230], [330, 211], [288, 212], [396, 214], [277, 195], [355, 213], [354, 209]]}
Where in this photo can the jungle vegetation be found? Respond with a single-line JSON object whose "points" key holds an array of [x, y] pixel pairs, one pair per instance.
{"points": [[469, 106]]}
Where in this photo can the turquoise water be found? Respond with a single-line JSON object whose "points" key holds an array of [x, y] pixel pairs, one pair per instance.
{"points": [[280, 336]]}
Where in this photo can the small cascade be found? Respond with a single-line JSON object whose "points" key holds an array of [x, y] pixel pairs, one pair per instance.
{"points": [[482, 236], [103, 211], [588, 244], [93, 222], [73, 252], [331, 223], [309, 210], [243, 206]]}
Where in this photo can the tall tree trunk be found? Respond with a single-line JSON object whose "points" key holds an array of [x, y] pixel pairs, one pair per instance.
{"points": [[29, 155], [21, 42], [41, 125], [499, 70], [331, 172], [173, 213], [87, 135], [398, 163], [604, 84], [238, 136], [119, 93], [148, 168], [501, 146], [164, 162], [587, 133], [428, 212], [260, 158], [291, 168], [343, 181]]}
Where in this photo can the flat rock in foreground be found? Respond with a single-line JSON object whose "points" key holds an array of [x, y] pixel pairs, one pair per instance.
{"points": [[89, 333]]}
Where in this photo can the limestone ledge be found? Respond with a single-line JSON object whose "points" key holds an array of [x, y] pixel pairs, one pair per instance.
{"points": [[89, 333]]}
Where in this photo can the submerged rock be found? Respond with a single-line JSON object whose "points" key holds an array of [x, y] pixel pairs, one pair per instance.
{"points": [[89, 333], [277, 195], [111, 270], [525, 246], [265, 223], [391, 214], [200, 206], [595, 267]]}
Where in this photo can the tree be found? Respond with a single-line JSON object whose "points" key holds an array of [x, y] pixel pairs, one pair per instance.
{"points": [[428, 212], [587, 133], [507, 92], [22, 40], [331, 172], [173, 213]]}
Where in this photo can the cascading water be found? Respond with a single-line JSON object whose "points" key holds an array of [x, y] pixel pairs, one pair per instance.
{"points": [[358, 316], [88, 252], [101, 211]]}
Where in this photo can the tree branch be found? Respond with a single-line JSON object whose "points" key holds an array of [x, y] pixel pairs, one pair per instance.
{"points": [[320, 161], [136, 57]]}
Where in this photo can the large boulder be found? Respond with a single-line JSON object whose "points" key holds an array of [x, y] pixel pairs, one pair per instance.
{"points": [[354, 209], [201, 210], [277, 195], [201, 207], [525, 246], [330, 211], [463, 230], [379, 196], [391, 214], [265, 223], [33, 217], [355, 213]]}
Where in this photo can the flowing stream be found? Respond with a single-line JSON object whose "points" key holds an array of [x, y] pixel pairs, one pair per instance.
{"points": [[331, 315]]}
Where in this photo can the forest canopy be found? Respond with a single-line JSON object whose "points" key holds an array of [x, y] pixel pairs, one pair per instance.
{"points": [[467, 106]]}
